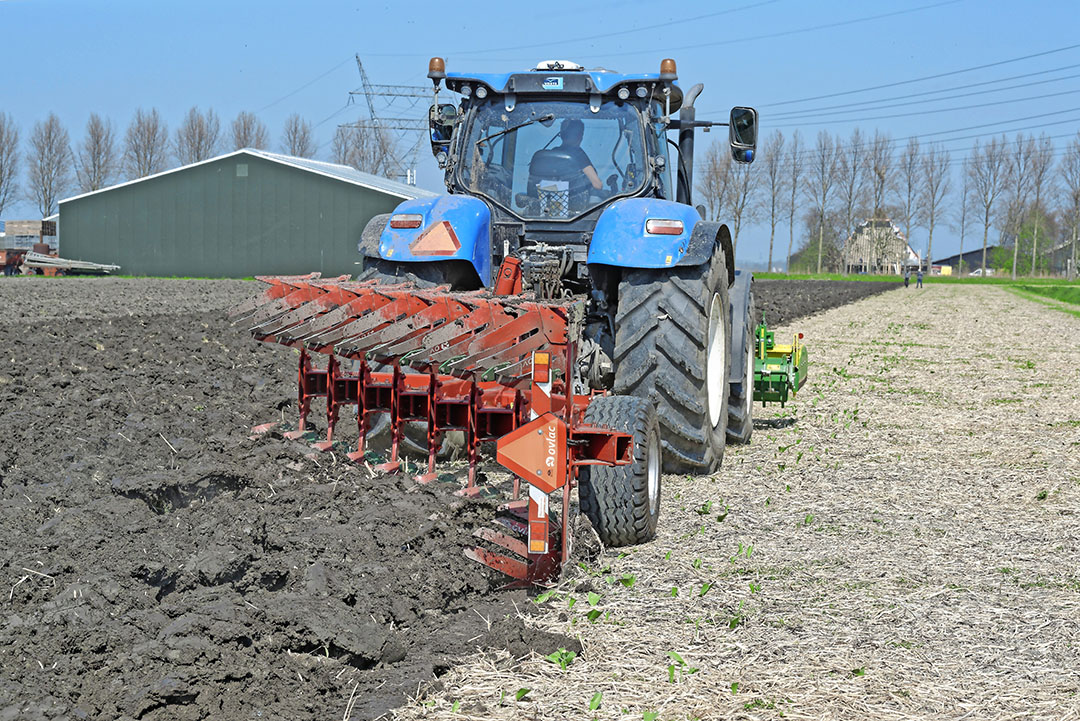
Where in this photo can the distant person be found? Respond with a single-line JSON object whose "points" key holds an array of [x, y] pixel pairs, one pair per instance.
{"points": [[918, 278], [907, 277]]}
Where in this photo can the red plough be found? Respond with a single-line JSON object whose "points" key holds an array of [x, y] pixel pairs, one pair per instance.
{"points": [[497, 368]]}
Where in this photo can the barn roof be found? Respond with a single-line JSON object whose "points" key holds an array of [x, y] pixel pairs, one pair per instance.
{"points": [[332, 170]]}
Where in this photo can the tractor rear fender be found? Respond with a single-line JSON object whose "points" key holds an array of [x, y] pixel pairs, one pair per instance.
{"points": [[621, 239], [451, 227], [739, 301]]}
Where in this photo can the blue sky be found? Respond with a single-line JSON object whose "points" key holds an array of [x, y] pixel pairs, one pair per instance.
{"points": [[275, 58]]}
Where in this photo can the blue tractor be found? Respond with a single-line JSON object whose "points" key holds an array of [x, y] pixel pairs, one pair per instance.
{"points": [[562, 182]]}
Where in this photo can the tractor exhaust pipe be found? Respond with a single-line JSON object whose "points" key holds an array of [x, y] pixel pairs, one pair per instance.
{"points": [[685, 191]]}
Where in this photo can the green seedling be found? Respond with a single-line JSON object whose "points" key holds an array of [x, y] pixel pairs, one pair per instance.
{"points": [[754, 587], [594, 598], [667, 556], [734, 688], [704, 589], [545, 596], [570, 601], [650, 716], [593, 615], [809, 519], [455, 706], [696, 563], [861, 671], [596, 700], [704, 508], [562, 658], [679, 665], [521, 693], [628, 580], [674, 591]]}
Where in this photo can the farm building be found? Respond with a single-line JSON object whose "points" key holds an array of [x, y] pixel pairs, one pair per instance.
{"points": [[248, 212], [878, 246], [971, 259]]}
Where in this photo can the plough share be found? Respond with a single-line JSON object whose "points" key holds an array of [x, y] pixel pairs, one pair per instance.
{"points": [[496, 368]]}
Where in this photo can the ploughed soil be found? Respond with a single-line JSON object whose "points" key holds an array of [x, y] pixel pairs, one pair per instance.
{"points": [[161, 564]]}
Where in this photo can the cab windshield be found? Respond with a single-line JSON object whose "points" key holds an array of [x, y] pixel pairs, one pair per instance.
{"points": [[553, 159]]}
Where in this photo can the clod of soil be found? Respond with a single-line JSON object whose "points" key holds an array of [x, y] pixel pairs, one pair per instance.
{"points": [[162, 565]]}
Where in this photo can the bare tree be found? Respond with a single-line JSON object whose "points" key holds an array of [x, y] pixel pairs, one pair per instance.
{"points": [[965, 188], [1070, 182], [197, 137], [9, 160], [742, 205], [989, 168], [820, 183], [852, 186], [363, 149], [50, 161], [1042, 164], [249, 132], [881, 170], [146, 144], [1019, 187], [775, 179], [935, 187], [97, 161], [716, 181], [908, 184], [341, 146], [297, 139], [794, 175]]}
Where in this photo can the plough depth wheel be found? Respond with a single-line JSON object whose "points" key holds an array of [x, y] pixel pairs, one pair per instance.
{"points": [[623, 502]]}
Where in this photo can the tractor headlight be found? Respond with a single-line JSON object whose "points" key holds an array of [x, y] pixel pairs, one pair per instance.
{"points": [[481, 92], [642, 91], [624, 93]]}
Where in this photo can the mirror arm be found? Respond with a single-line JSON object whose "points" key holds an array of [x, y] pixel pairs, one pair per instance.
{"points": [[679, 124]]}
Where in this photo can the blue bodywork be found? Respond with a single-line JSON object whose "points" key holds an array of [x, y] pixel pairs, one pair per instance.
{"points": [[620, 238], [470, 219]]}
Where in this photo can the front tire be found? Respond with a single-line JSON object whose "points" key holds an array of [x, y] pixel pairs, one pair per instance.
{"points": [[671, 349], [623, 502]]}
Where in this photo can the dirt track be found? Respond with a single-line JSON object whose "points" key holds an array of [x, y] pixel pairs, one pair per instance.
{"points": [[901, 543], [161, 565]]}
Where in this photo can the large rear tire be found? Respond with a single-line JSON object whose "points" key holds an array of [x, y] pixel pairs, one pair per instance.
{"points": [[623, 502], [740, 425], [672, 336]]}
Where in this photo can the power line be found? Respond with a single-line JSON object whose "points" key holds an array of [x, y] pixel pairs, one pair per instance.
{"points": [[854, 106], [809, 150], [649, 28], [925, 77], [938, 110], [304, 86], [784, 33]]}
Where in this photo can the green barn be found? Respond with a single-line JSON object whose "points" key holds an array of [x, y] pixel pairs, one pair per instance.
{"points": [[250, 212]]}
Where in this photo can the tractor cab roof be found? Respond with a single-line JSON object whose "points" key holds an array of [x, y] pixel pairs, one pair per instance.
{"points": [[564, 77]]}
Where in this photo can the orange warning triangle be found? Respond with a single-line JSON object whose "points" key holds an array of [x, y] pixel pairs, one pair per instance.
{"points": [[438, 239], [536, 452]]}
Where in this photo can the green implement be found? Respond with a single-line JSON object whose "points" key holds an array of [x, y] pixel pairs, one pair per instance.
{"points": [[779, 370]]}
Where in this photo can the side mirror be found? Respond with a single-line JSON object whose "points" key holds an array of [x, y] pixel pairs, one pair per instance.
{"points": [[442, 119], [742, 134]]}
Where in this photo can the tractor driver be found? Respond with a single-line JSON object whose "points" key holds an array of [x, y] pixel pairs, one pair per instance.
{"points": [[571, 132]]}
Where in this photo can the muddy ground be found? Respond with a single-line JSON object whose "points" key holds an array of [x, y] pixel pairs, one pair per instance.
{"points": [[162, 565]]}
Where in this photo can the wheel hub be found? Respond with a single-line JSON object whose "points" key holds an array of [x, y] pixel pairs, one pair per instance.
{"points": [[715, 361]]}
